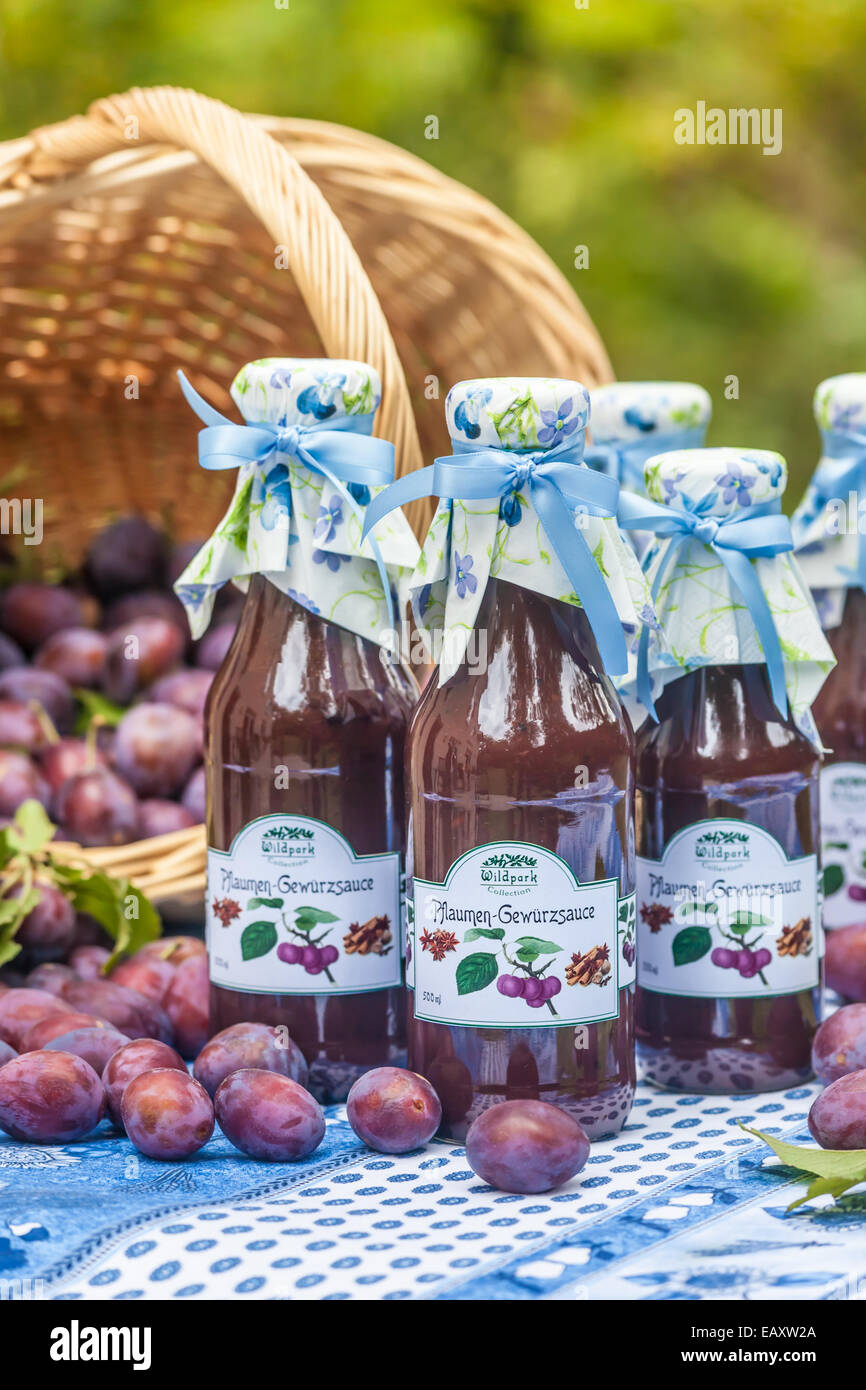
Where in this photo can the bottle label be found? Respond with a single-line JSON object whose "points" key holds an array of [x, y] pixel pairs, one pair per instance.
{"points": [[291, 909], [726, 914], [512, 939], [843, 834]]}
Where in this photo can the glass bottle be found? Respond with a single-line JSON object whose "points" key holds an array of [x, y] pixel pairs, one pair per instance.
{"points": [[633, 420], [829, 528], [304, 733], [729, 938], [520, 774]]}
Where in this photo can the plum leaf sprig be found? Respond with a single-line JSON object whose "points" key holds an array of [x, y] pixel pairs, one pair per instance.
{"points": [[26, 862], [830, 1171]]}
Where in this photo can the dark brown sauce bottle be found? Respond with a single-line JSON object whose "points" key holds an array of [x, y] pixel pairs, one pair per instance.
{"points": [[721, 752], [330, 709], [534, 753], [840, 713]]}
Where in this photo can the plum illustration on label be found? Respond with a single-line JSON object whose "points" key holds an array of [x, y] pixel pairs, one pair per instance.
{"points": [[513, 939], [725, 913], [843, 833], [293, 910]]}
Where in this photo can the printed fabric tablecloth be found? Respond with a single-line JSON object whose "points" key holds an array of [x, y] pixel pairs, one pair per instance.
{"points": [[681, 1205]]}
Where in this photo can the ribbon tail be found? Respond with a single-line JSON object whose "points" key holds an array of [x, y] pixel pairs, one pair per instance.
{"points": [[203, 410], [408, 489], [643, 684], [744, 577], [573, 552]]}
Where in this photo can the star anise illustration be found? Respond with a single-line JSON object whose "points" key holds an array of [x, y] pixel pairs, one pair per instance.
{"points": [[438, 942], [656, 915], [226, 909]]}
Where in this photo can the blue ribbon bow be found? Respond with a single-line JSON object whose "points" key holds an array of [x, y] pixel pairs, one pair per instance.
{"points": [[753, 532], [333, 448], [557, 487], [624, 459], [841, 473]]}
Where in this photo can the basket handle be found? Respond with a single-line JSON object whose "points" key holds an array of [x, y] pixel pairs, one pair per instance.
{"points": [[336, 289]]}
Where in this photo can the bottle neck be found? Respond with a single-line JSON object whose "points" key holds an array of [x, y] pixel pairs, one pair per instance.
{"points": [[511, 617]]}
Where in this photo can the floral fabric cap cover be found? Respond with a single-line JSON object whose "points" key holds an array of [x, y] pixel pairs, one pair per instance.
{"points": [[826, 537], [289, 522], [632, 420], [471, 541], [704, 621]]}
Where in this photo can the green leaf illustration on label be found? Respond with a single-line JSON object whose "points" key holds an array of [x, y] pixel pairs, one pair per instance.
{"points": [[491, 933], [834, 877], [691, 944], [306, 918], [264, 902], [476, 972], [257, 939], [538, 945], [742, 922]]}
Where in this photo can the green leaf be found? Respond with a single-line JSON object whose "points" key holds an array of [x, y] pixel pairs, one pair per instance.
{"points": [[527, 955], [491, 933], [265, 902], [834, 877], [835, 1170], [127, 915], [538, 945], [691, 944], [92, 704], [703, 907], [31, 830], [744, 921], [476, 972], [12, 914], [257, 939], [315, 914]]}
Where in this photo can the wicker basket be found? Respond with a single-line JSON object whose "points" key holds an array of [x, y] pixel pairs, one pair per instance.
{"points": [[164, 230]]}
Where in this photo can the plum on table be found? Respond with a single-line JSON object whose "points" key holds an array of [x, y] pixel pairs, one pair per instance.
{"points": [[49, 1098], [166, 1114], [526, 1146], [837, 1119], [249, 1047], [840, 1044], [21, 1008], [134, 1059], [267, 1116], [393, 1110], [187, 1004], [130, 1012], [845, 961], [95, 1045]]}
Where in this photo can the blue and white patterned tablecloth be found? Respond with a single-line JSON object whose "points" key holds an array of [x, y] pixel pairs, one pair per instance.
{"points": [[681, 1205]]}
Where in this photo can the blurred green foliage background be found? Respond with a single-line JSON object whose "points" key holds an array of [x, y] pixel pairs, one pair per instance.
{"points": [[704, 261]]}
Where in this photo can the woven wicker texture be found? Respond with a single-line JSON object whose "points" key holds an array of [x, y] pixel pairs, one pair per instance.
{"points": [[164, 229]]}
